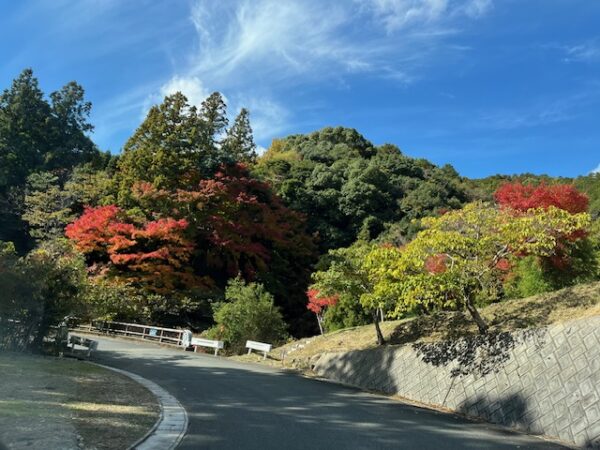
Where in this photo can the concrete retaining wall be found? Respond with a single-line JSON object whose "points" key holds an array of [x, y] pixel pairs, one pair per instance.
{"points": [[544, 381]]}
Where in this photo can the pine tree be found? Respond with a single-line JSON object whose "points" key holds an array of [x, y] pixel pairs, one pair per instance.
{"points": [[166, 150], [214, 117], [239, 143], [47, 206], [25, 130]]}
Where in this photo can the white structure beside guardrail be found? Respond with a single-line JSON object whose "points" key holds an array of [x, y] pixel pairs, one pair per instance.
{"points": [[259, 346], [201, 342]]}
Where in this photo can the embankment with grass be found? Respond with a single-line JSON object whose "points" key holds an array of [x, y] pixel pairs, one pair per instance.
{"points": [[510, 315]]}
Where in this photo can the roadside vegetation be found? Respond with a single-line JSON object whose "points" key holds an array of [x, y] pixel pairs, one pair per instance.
{"points": [[541, 310]]}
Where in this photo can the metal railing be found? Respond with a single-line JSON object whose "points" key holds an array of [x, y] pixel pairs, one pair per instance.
{"points": [[145, 332]]}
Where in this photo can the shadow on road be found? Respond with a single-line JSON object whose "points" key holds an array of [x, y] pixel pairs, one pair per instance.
{"points": [[233, 406]]}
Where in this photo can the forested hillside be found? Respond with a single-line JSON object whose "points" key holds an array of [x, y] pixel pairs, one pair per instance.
{"points": [[348, 188], [188, 226]]}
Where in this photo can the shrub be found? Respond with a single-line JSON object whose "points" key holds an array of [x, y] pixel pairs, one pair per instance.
{"points": [[247, 313], [38, 291], [527, 279]]}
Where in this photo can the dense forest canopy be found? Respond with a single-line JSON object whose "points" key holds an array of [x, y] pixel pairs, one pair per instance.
{"points": [[188, 226], [347, 187]]}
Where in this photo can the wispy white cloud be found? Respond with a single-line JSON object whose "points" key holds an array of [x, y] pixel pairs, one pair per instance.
{"points": [[584, 52], [477, 8], [252, 50], [597, 169], [192, 87], [249, 49], [281, 40], [268, 117], [401, 14], [587, 51], [541, 113]]}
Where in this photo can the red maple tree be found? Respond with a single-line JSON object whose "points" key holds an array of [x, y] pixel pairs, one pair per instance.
{"points": [[237, 223], [522, 197], [318, 304], [519, 198], [154, 254]]}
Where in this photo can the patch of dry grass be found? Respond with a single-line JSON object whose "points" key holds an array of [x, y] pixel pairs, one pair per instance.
{"points": [[541, 310], [63, 403]]}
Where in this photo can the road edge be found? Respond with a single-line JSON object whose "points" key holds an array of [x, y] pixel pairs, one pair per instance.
{"points": [[171, 426]]}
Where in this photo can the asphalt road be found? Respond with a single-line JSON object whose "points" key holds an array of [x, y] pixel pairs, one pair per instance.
{"points": [[246, 406]]}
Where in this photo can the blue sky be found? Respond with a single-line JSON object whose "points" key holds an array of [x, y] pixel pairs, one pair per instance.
{"points": [[489, 86]]}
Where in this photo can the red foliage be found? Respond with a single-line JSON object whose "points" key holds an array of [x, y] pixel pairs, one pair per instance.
{"points": [[317, 304], [503, 265], [237, 223], [154, 254], [436, 264], [519, 197], [522, 197]]}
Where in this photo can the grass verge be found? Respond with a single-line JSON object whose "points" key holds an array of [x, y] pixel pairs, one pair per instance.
{"points": [[64, 403]]}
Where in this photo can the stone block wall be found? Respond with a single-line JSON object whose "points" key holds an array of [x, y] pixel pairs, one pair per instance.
{"points": [[544, 381]]}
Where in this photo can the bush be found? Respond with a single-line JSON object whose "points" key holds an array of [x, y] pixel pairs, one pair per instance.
{"points": [[527, 279], [38, 291], [346, 313], [247, 313]]}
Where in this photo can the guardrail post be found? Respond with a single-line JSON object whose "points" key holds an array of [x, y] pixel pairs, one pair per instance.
{"points": [[161, 335]]}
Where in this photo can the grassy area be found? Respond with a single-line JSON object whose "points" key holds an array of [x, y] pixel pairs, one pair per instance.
{"points": [[64, 403], [541, 310]]}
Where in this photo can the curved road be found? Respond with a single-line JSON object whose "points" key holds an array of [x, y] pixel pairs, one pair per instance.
{"points": [[233, 405]]}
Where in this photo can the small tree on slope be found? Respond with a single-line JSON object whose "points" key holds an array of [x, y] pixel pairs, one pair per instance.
{"points": [[461, 254]]}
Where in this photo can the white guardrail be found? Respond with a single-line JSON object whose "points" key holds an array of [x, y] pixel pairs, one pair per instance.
{"points": [[173, 336], [145, 332]]}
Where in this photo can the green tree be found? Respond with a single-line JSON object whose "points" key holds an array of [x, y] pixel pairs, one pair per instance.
{"points": [[344, 276], [239, 142], [248, 313], [462, 254], [61, 273], [35, 136], [173, 148], [213, 113], [39, 290], [87, 186], [47, 207], [527, 278], [165, 150], [70, 112], [26, 134]]}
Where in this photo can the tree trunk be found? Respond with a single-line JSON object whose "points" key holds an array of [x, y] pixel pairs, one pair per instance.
{"points": [[483, 327], [319, 321], [380, 339]]}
